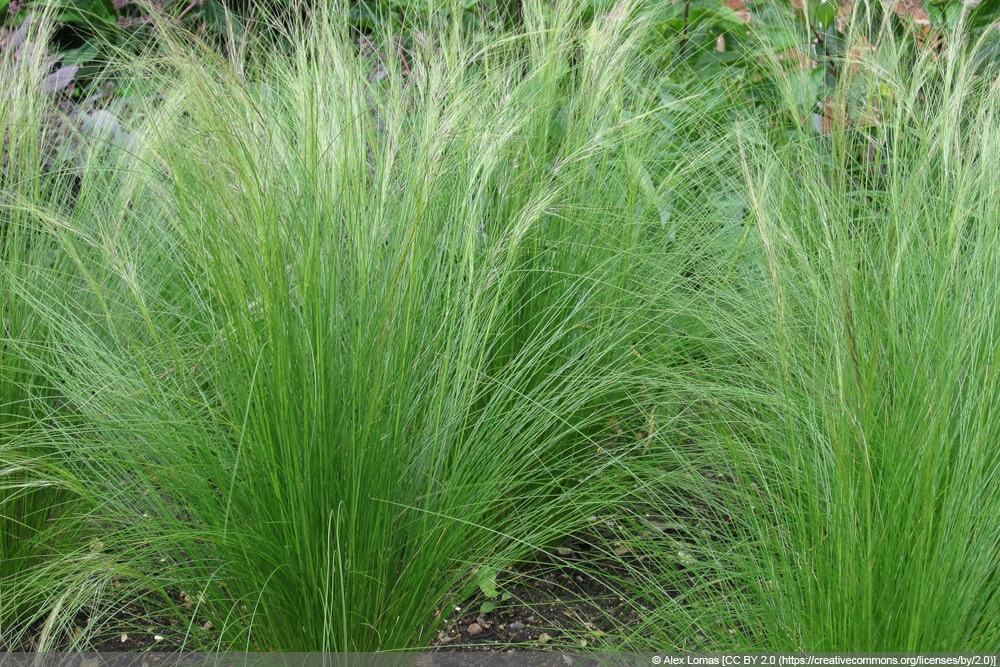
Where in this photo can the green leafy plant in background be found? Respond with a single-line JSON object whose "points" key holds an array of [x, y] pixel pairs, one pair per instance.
{"points": [[86, 32], [768, 48]]}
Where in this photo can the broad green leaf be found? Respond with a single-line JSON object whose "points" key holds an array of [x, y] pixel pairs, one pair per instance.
{"points": [[82, 54], [986, 13], [822, 13], [487, 581]]}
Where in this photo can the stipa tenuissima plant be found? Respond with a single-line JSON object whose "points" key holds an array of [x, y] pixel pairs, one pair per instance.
{"points": [[329, 342]]}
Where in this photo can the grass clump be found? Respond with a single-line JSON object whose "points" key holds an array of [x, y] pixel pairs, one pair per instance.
{"points": [[869, 500], [328, 345]]}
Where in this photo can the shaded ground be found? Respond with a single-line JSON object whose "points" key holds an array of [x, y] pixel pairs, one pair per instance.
{"points": [[552, 603], [555, 603], [570, 600], [136, 626]]}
